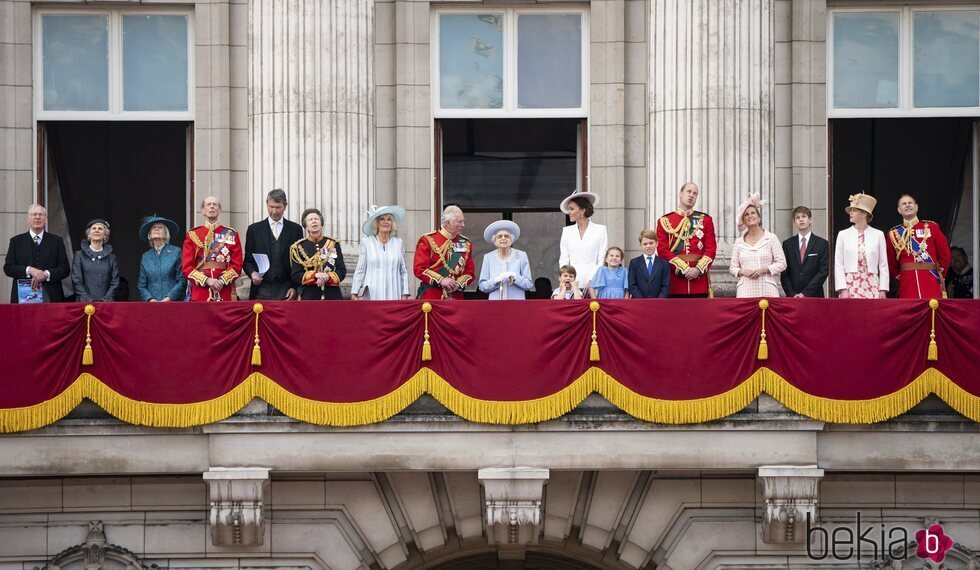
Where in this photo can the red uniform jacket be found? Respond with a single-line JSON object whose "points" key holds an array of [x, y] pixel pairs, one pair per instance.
{"points": [[687, 240], [921, 242], [211, 252], [437, 255]]}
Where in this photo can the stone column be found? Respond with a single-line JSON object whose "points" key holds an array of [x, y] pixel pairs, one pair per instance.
{"points": [[711, 107], [310, 108]]}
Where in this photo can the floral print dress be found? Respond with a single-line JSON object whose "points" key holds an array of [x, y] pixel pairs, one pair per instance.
{"points": [[862, 284]]}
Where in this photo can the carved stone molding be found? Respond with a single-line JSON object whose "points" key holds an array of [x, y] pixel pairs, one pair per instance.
{"points": [[790, 494], [513, 503], [94, 554], [236, 505]]}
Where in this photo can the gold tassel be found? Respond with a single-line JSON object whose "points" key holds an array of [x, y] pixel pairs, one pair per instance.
{"points": [[933, 353], [594, 349], [256, 350], [426, 347], [87, 355], [763, 346]]}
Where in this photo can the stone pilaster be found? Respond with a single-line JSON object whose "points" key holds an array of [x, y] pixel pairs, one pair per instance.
{"points": [[311, 108], [711, 106]]}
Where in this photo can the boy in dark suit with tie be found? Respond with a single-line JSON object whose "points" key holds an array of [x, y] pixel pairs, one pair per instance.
{"points": [[39, 256], [272, 236], [649, 274], [807, 259]]}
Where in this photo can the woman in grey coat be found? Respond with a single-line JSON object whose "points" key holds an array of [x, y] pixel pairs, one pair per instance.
{"points": [[94, 271]]}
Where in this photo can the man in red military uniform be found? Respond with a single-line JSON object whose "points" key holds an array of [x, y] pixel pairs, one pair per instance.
{"points": [[686, 240], [444, 259], [918, 254], [212, 256]]}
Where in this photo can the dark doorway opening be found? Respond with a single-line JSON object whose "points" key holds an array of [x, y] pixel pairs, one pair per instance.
{"points": [[512, 169], [120, 171], [929, 158]]}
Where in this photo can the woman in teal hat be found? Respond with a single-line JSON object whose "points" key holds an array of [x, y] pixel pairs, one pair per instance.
{"points": [[161, 278]]}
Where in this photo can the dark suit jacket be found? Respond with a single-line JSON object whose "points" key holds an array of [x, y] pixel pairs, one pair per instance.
{"points": [[50, 256], [808, 277], [259, 239], [644, 286]]}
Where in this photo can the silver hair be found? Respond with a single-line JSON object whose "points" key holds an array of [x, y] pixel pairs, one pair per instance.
{"points": [[166, 231], [35, 205], [451, 213], [89, 229]]}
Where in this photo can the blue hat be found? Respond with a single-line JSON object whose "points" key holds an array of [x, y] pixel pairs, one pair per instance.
{"points": [[375, 212], [155, 219], [492, 229]]}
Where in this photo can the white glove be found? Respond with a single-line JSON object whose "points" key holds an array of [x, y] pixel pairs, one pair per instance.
{"points": [[510, 276], [499, 278]]}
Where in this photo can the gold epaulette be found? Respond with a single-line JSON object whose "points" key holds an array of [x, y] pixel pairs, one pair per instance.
{"points": [[194, 238]]}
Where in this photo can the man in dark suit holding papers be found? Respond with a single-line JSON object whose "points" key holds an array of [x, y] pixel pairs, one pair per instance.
{"points": [[37, 256]]}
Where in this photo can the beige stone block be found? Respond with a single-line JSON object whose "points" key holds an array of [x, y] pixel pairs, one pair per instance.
{"points": [[802, 113], [802, 146], [297, 494], [724, 492], [23, 149], [385, 146], [129, 536], [801, 51], [23, 105], [169, 492], [7, 29], [702, 538], [782, 20], [420, 23], [782, 62], [636, 193], [404, 22], [7, 69], [220, 16], [23, 62], [362, 500], [818, 21], [220, 68], [926, 490], [597, 104], [405, 63], [8, 111], [385, 189], [663, 500], [202, 62], [237, 66], [220, 107], [801, 15], [202, 148], [238, 24], [327, 540], [97, 493], [635, 104], [176, 537], [818, 104], [64, 535], [384, 64], [783, 151], [598, 62], [31, 494], [635, 64], [635, 143], [384, 23], [636, 21], [202, 24], [610, 492], [842, 491], [238, 114]]}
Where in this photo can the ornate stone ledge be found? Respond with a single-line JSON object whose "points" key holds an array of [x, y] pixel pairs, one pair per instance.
{"points": [[790, 494], [236, 505], [513, 503]]}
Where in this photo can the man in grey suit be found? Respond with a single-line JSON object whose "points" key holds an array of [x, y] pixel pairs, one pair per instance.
{"points": [[271, 237], [807, 259]]}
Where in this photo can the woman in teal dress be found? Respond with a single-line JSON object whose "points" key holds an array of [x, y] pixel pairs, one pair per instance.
{"points": [[161, 278]]}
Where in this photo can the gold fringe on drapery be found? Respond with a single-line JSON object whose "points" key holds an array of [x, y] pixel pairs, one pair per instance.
{"points": [[87, 356], [933, 352], [256, 350], [426, 347], [546, 408]]}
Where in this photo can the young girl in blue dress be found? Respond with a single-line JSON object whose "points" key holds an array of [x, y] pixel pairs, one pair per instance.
{"points": [[611, 281]]}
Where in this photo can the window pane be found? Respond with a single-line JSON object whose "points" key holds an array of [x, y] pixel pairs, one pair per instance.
{"points": [[471, 61], [947, 61], [75, 60], [549, 61], [155, 63], [866, 60]]}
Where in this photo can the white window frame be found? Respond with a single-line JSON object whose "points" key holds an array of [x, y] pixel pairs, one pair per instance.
{"points": [[115, 39], [510, 108], [906, 66]]}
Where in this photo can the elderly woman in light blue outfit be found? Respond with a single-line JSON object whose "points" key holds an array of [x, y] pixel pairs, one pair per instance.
{"points": [[381, 273], [506, 273], [161, 278]]}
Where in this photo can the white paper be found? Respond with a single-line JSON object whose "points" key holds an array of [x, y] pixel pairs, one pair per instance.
{"points": [[262, 261]]}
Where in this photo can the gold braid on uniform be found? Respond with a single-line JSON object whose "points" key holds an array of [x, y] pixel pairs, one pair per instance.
{"points": [[900, 242], [313, 264], [676, 234]]}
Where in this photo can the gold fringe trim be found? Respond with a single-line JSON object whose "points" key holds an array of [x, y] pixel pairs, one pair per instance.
{"points": [[549, 407]]}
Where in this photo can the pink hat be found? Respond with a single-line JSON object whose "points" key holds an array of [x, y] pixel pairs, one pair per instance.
{"points": [[752, 200]]}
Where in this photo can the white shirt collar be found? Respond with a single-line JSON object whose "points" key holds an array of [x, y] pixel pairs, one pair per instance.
{"points": [[272, 223], [33, 235], [651, 257], [805, 236]]}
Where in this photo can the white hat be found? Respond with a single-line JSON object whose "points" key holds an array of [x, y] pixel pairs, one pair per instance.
{"points": [[375, 212], [590, 196], [492, 229]]}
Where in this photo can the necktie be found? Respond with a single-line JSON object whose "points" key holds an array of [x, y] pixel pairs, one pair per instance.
{"points": [[37, 240], [275, 229], [649, 266], [802, 249]]}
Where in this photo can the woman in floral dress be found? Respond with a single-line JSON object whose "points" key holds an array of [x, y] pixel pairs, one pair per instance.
{"points": [[860, 260]]}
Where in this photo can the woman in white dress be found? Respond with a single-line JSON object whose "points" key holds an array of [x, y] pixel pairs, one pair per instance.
{"points": [[757, 257], [506, 273], [381, 273], [583, 244]]}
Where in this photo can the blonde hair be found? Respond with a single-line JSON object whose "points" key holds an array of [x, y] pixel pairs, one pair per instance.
{"points": [[622, 255], [647, 234]]}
